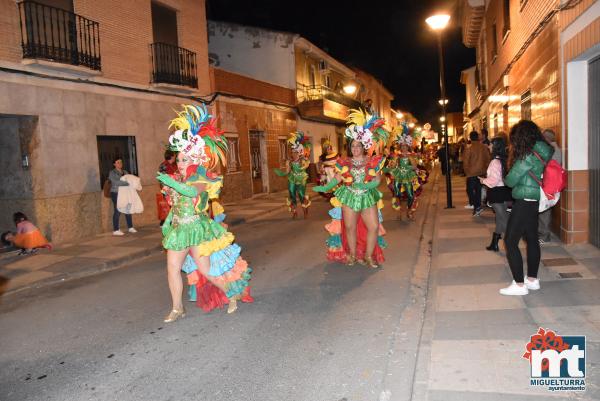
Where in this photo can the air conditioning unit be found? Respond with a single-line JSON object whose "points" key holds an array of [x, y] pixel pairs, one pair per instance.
{"points": [[323, 65]]}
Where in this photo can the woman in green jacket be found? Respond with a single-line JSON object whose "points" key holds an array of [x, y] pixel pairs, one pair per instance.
{"points": [[530, 152]]}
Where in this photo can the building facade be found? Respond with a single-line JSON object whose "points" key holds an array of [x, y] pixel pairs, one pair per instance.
{"points": [[534, 59], [302, 88], [82, 82]]}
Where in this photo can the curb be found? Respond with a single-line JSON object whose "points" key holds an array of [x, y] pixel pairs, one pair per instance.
{"points": [[90, 270], [408, 335]]}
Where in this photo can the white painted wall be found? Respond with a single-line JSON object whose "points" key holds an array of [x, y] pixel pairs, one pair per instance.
{"points": [[256, 53], [577, 106]]}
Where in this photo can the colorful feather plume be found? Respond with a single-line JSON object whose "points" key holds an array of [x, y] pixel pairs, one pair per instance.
{"points": [[197, 135]]}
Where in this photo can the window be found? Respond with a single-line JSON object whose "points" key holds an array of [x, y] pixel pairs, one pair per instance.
{"points": [[312, 75], [526, 105], [506, 19], [233, 153], [494, 42], [327, 81], [522, 4], [112, 147], [283, 151]]}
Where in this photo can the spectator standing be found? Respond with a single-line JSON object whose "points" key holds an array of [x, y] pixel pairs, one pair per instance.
{"points": [[115, 180], [525, 173], [484, 137], [475, 161], [441, 154], [498, 194], [169, 165], [545, 218]]}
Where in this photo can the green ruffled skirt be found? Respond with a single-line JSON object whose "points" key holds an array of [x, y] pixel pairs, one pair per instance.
{"points": [[184, 235], [357, 199]]}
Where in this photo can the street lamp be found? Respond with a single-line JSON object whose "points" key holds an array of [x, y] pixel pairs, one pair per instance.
{"points": [[438, 23], [349, 89], [399, 115], [443, 102]]}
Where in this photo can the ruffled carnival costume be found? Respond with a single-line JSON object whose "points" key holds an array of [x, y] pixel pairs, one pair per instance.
{"points": [[403, 180], [296, 174], [192, 223], [358, 191]]}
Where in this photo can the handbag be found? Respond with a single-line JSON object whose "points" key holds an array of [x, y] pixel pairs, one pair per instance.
{"points": [[546, 203]]}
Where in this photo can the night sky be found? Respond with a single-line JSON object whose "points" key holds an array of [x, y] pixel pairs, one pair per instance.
{"points": [[388, 39]]}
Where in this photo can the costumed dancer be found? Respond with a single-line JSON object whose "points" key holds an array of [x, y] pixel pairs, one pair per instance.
{"points": [[327, 162], [296, 173], [214, 266], [356, 230], [403, 172]]}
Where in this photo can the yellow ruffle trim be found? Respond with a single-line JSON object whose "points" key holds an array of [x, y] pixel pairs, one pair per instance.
{"points": [[380, 204], [207, 248], [335, 202], [217, 208]]}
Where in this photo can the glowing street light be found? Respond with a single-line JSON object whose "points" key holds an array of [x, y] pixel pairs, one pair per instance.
{"points": [[442, 119], [411, 125], [349, 89], [443, 102], [438, 22], [399, 115]]}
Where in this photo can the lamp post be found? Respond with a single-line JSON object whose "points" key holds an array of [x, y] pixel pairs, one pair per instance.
{"points": [[438, 23]]}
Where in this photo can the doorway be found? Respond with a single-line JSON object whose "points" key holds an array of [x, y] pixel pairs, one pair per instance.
{"points": [[258, 151], [112, 147]]}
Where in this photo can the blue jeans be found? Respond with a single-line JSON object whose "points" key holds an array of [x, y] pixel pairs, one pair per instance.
{"points": [[117, 214]]}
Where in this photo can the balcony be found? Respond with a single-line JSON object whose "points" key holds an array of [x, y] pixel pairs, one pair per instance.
{"points": [[320, 103], [58, 36], [173, 66]]}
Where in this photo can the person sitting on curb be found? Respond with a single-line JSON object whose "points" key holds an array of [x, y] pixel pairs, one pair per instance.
{"points": [[28, 237]]}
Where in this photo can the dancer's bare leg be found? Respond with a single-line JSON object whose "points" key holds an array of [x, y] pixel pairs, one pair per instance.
{"points": [[371, 220], [350, 221], [175, 260]]}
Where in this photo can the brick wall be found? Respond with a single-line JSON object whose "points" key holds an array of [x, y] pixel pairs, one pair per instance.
{"points": [[239, 117], [10, 45], [568, 16], [522, 24], [228, 82], [125, 35]]}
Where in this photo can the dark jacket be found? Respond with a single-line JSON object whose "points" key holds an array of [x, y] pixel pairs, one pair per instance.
{"points": [[522, 184], [476, 159]]}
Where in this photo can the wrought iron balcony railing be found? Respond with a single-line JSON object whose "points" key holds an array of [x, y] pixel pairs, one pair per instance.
{"points": [[59, 35], [173, 65], [316, 92]]}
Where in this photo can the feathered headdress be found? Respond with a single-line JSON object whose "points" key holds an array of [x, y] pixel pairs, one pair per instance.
{"points": [[367, 129], [197, 136], [401, 135], [299, 143]]}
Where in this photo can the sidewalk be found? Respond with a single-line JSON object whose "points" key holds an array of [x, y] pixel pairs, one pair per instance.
{"points": [[105, 252], [473, 338]]}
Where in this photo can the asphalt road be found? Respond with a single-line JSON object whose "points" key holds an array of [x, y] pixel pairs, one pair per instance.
{"points": [[316, 332]]}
